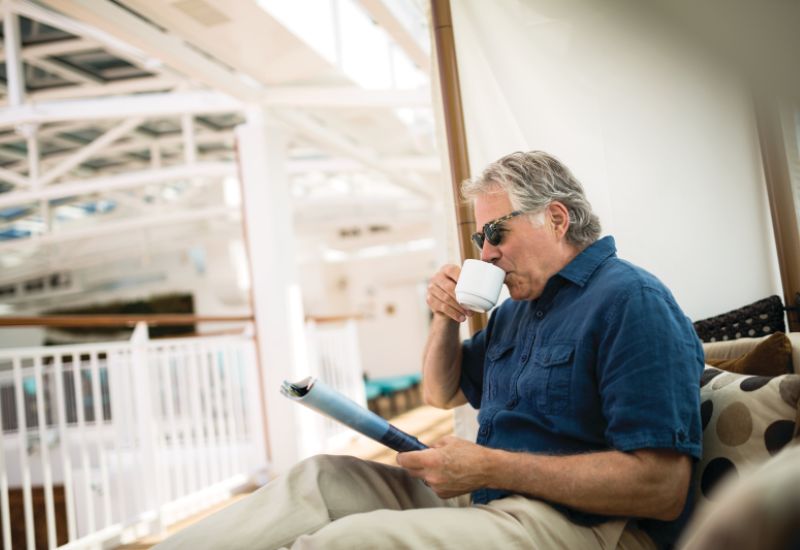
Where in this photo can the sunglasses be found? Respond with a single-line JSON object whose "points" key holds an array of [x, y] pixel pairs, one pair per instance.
{"points": [[493, 231]]}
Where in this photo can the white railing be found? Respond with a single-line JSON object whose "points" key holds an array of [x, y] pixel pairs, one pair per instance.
{"points": [[135, 435], [334, 357]]}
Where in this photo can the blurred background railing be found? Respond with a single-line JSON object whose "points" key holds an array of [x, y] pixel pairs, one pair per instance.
{"points": [[107, 442]]}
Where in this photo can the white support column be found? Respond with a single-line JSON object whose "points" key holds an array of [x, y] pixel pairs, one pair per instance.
{"points": [[189, 145], [15, 79], [276, 297], [155, 155]]}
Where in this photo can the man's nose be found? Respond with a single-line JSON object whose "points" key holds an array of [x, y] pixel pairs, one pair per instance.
{"points": [[489, 252]]}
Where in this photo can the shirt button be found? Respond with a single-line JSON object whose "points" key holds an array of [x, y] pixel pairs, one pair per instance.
{"points": [[539, 314], [483, 431], [511, 404]]}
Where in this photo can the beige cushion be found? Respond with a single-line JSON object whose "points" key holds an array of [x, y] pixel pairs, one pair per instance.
{"points": [[772, 356], [746, 420], [760, 511], [731, 349]]}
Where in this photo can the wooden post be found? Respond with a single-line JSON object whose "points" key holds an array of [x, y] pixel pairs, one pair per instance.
{"points": [[454, 129], [781, 203]]}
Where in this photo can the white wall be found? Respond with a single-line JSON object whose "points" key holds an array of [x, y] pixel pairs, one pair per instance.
{"points": [[661, 136], [389, 295]]}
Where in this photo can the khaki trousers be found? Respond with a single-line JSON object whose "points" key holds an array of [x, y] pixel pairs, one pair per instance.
{"points": [[333, 502]]}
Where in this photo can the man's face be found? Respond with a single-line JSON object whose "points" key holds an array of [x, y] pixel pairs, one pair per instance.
{"points": [[529, 254]]}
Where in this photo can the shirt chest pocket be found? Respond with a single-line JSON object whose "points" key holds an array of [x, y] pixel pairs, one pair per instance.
{"points": [[499, 368], [549, 377]]}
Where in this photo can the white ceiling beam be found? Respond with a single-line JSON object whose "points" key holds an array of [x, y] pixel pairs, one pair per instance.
{"points": [[381, 12], [128, 86], [59, 47], [43, 133], [136, 144], [139, 144], [111, 25], [349, 97], [423, 164], [205, 102], [13, 177], [119, 181], [101, 108], [95, 33], [331, 140], [105, 229], [63, 71], [89, 150]]}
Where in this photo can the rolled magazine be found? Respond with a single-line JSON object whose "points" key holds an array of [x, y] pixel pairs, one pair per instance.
{"points": [[315, 394]]}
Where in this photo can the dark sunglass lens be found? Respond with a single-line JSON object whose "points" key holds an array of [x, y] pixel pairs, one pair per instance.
{"points": [[494, 233], [477, 238]]}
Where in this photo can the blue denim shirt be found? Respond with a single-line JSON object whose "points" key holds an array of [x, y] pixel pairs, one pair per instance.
{"points": [[604, 359]]}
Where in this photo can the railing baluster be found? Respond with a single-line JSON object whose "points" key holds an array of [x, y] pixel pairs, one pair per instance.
{"points": [[227, 371], [77, 377], [97, 403], [216, 470], [235, 427], [22, 430], [44, 448], [238, 403], [117, 400], [200, 458], [182, 377], [162, 452], [174, 449], [221, 426], [64, 444]]}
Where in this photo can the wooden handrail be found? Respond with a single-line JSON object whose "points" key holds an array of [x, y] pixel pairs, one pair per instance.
{"points": [[117, 320], [334, 318]]}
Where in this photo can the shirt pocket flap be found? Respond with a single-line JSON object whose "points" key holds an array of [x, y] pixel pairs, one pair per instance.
{"points": [[499, 349], [552, 355]]}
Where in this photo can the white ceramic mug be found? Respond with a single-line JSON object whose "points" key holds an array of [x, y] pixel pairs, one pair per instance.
{"points": [[479, 285]]}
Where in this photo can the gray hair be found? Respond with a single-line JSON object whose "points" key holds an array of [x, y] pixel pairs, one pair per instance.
{"points": [[533, 180]]}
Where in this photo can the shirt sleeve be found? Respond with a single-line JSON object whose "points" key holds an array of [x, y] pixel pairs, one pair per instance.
{"points": [[649, 366]]}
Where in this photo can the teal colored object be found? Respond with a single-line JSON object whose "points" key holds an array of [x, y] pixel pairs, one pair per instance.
{"points": [[392, 384], [372, 390], [29, 385]]}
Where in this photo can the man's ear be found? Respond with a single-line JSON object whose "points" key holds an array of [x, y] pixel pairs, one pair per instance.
{"points": [[558, 218]]}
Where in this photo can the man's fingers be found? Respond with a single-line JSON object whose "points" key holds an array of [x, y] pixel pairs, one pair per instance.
{"points": [[415, 460], [441, 301], [452, 271]]}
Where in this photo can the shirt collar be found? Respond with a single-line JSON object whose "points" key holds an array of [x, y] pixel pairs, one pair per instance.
{"points": [[581, 268]]}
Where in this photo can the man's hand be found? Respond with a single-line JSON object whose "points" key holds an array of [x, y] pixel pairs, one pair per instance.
{"points": [[441, 297], [451, 467]]}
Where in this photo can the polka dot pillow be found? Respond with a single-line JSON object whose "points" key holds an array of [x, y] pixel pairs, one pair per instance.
{"points": [[746, 420]]}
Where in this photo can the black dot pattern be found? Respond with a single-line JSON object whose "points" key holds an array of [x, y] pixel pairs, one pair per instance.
{"points": [[714, 472], [778, 435], [706, 410], [708, 375], [752, 383]]}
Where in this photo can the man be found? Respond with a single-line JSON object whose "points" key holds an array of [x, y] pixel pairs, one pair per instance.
{"points": [[587, 382]]}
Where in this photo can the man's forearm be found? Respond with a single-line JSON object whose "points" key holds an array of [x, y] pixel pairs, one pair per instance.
{"points": [[441, 364], [640, 484]]}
